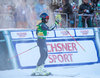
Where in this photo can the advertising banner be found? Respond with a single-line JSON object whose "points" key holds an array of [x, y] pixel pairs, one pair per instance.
{"points": [[61, 51], [21, 34]]}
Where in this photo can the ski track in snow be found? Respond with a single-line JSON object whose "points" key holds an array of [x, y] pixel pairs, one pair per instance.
{"points": [[85, 71]]}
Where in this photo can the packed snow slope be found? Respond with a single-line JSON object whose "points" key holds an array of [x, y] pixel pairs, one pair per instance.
{"points": [[83, 71]]}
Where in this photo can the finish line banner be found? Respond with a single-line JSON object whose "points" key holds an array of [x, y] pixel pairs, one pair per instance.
{"points": [[71, 47]]}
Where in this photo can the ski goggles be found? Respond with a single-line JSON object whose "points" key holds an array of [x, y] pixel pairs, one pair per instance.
{"points": [[47, 17]]}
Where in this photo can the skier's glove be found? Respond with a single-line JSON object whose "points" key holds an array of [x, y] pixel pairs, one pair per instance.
{"points": [[55, 25], [56, 21]]}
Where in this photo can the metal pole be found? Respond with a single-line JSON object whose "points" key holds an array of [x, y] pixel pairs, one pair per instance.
{"points": [[10, 49]]}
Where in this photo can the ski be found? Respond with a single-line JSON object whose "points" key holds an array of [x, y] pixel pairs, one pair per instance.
{"points": [[66, 75], [62, 75], [38, 74]]}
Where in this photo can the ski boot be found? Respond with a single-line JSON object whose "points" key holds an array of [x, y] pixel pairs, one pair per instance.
{"points": [[40, 71]]}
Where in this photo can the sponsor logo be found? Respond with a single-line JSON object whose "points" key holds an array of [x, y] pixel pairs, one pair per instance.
{"points": [[60, 58], [62, 47], [84, 32], [22, 34], [61, 52], [64, 32]]}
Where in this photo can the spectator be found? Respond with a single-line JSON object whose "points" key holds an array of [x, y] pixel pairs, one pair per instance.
{"points": [[11, 10], [6, 16], [85, 8], [74, 6], [67, 8], [42, 7], [22, 13], [95, 3], [32, 21]]}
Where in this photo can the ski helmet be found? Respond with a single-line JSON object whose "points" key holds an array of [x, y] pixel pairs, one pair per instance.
{"points": [[44, 16]]}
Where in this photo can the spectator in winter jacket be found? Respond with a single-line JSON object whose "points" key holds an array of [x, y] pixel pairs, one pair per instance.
{"points": [[85, 8], [67, 8]]}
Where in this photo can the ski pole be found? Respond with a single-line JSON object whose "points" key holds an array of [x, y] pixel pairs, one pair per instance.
{"points": [[75, 40], [57, 21], [22, 52]]}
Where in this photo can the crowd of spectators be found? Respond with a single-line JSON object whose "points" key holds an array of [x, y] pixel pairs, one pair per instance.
{"points": [[21, 14], [84, 15]]}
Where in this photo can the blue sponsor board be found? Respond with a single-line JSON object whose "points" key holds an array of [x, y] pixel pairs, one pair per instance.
{"points": [[65, 47]]}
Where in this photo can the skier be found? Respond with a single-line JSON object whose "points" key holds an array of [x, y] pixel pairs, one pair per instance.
{"points": [[41, 32]]}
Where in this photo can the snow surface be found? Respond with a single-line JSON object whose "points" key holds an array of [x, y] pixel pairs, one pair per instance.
{"points": [[84, 71]]}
